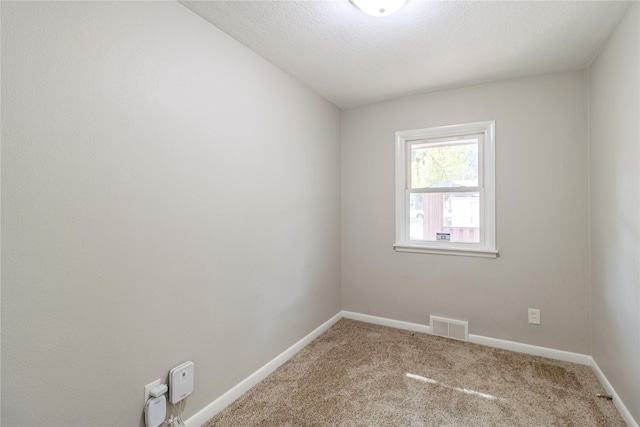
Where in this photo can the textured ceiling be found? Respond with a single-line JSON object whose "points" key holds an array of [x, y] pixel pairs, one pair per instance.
{"points": [[354, 59]]}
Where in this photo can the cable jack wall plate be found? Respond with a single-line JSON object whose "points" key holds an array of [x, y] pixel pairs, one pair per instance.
{"points": [[180, 382]]}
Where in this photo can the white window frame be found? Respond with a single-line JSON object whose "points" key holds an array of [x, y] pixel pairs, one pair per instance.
{"points": [[486, 248]]}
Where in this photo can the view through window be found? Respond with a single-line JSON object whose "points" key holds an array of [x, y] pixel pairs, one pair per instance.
{"points": [[445, 190], [442, 174]]}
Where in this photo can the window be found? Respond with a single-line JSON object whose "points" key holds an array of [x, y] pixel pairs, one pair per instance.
{"points": [[445, 190]]}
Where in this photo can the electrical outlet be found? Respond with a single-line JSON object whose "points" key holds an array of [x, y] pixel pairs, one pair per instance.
{"points": [[149, 387], [534, 316]]}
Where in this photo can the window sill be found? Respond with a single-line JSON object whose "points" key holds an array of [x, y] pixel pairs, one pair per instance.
{"points": [[440, 250]]}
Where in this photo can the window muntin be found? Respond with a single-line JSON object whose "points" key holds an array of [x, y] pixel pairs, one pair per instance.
{"points": [[445, 190]]}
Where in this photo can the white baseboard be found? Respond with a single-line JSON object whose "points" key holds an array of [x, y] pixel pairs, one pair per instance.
{"points": [[624, 412], [416, 327], [551, 353], [226, 399], [534, 350]]}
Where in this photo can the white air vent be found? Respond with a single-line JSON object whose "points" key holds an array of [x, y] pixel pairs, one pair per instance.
{"points": [[456, 329]]}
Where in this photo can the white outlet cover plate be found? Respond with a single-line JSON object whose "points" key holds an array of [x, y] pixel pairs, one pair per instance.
{"points": [[180, 382], [534, 316], [148, 388]]}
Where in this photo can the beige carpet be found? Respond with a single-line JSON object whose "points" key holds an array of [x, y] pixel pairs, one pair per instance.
{"points": [[358, 374]]}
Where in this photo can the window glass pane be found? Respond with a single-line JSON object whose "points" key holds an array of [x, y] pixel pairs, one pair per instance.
{"points": [[457, 214], [445, 164]]}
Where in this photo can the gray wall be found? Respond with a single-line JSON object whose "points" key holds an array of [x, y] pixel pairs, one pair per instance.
{"points": [[167, 195], [541, 143], [614, 115]]}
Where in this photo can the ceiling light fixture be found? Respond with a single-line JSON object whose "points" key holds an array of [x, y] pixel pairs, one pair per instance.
{"points": [[379, 7]]}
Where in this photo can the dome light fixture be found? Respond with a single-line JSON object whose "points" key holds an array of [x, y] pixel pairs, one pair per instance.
{"points": [[379, 7]]}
